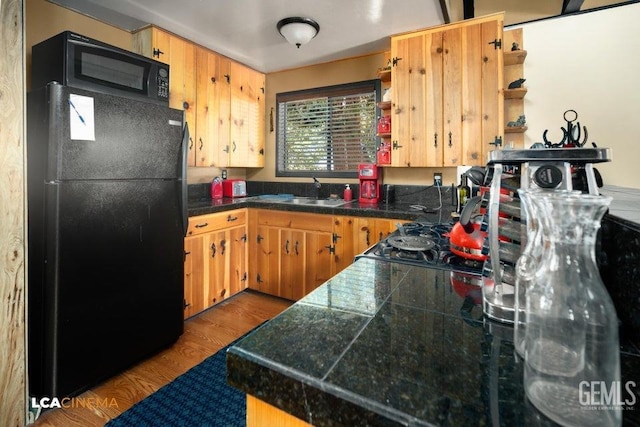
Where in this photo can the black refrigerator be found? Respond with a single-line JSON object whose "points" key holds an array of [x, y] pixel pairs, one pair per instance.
{"points": [[107, 218]]}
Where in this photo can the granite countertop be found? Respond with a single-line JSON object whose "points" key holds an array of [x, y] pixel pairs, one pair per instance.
{"points": [[625, 207], [352, 208], [383, 343]]}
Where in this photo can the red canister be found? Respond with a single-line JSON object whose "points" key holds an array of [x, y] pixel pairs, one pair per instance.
{"points": [[216, 188], [384, 124]]}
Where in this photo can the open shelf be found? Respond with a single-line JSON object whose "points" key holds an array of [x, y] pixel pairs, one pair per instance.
{"points": [[515, 93], [384, 75], [515, 129], [384, 105], [514, 57]]}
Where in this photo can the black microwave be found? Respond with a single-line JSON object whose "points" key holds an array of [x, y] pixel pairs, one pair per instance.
{"points": [[78, 61]]}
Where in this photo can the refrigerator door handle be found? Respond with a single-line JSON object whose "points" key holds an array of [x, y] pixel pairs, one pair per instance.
{"points": [[184, 149]]}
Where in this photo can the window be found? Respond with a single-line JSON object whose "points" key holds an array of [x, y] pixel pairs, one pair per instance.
{"points": [[327, 131]]}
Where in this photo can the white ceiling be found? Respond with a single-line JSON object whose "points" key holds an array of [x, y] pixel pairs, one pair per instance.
{"points": [[245, 30]]}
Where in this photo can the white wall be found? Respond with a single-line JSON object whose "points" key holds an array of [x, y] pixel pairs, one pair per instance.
{"points": [[589, 63]]}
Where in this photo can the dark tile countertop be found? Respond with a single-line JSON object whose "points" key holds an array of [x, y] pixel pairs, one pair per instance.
{"points": [[390, 344], [353, 208]]}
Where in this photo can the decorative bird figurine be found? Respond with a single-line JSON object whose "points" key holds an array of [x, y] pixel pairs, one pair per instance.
{"points": [[516, 83]]}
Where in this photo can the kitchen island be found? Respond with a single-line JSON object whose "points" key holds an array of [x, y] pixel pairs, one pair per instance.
{"points": [[383, 343]]}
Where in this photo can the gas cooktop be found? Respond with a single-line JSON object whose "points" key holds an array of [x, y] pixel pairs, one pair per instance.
{"points": [[422, 243]]}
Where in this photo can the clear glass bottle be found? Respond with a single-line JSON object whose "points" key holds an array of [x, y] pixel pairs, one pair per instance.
{"points": [[571, 336], [526, 267], [529, 260]]}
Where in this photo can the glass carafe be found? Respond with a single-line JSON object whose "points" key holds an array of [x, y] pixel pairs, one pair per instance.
{"points": [[571, 335], [529, 260], [526, 267]]}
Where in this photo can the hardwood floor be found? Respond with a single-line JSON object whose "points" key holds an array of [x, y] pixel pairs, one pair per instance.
{"points": [[204, 334]]}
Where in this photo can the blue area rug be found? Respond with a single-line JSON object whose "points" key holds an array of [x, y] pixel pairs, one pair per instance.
{"points": [[199, 397]]}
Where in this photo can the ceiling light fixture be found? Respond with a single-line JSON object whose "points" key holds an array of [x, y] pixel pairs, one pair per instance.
{"points": [[298, 31]]}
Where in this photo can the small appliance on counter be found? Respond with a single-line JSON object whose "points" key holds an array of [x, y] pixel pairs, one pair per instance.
{"points": [[234, 188], [370, 177], [547, 169], [216, 188]]}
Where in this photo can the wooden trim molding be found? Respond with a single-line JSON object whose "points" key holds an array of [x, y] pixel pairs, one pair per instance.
{"points": [[13, 407]]}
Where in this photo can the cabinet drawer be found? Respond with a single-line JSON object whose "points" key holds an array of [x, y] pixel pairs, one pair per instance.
{"points": [[211, 222], [296, 220]]}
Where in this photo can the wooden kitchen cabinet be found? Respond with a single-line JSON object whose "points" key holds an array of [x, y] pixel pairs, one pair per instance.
{"points": [[180, 54], [194, 299], [223, 100], [447, 105], [354, 235], [216, 253], [247, 117], [291, 252]]}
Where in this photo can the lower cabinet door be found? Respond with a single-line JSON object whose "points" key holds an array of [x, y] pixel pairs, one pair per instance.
{"points": [[194, 298]]}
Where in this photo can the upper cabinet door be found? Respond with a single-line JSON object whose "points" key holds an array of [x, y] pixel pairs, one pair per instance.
{"points": [[223, 100], [447, 102], [247, 117]]}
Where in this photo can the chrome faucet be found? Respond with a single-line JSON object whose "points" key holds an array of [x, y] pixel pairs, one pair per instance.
{"points": [[317, 186]]}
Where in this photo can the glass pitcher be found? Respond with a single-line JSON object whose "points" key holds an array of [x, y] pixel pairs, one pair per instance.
{"points": [[571, 335]]}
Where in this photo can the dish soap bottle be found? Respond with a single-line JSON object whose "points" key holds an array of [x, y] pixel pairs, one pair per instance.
{"points": [[348, 194]]}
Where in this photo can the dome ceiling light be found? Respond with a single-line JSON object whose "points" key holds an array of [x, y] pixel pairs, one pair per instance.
{"points": [[298, 31]]}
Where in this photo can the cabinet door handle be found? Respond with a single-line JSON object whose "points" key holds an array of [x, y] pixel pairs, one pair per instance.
{"points": [[201, 143], [450, 141], [213, 250], [286, 247], [395, 60], [234, 146], [190, 143], [231, 218], [223, 245], [226, 149], [185, 304], [185, 105], [213, 79], [435, 139], [201, 225], [367, 240], [228, 77], [157, 52], [259, 279], [259, 238], [295, 247]]}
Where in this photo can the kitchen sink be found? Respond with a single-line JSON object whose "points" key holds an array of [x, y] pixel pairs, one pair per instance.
{"points": [[301, 201], [326, 202]]}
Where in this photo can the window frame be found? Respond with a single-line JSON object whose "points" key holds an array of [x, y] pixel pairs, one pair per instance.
{"points": [[325, 91]]}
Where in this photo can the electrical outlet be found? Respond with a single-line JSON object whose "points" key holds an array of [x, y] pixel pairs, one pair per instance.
{"points": [[437, 179], [224, 174]]}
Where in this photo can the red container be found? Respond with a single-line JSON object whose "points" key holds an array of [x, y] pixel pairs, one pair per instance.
{"points": [[384, 154], [384, 124], [216, 188]]}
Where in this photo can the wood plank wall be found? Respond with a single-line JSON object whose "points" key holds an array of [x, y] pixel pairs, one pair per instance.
{"points": [[12, 216]]}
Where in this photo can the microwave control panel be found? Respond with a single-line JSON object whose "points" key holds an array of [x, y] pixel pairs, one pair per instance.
{"points": [[163, 83]]}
